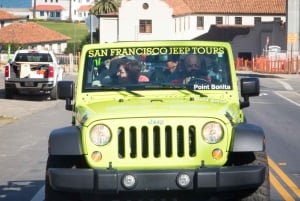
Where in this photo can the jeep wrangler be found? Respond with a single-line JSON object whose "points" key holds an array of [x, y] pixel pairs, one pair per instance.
{"points": [[177, 134]]}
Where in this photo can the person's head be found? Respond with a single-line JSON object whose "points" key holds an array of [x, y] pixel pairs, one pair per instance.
{"points": [[192, 65], [128, 71], [172, 62]]}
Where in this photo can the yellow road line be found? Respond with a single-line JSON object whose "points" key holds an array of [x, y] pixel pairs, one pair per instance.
{"points": [[284, 177], [280, 189]]}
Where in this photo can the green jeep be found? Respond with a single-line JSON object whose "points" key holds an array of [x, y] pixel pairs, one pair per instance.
{"points": [[151, 123]]}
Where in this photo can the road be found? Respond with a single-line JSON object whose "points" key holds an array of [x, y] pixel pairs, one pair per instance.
{"points": [[23, 145], [277, 110]]}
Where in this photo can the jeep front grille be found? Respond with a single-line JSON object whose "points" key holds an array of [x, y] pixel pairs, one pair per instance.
{"points": [[156, 142]]}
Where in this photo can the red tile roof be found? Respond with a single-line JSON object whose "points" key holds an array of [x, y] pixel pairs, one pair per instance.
{"points": [[272, 7], [179, 7], [49, 8], [7, 16], [85, 8], [29, 33]]}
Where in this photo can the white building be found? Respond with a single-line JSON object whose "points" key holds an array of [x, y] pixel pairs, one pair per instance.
{"points": [[164, 19], [74, 10], [183, 19]]}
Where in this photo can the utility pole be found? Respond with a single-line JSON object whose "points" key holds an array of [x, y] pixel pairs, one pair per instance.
{"points": [[34, 9]]}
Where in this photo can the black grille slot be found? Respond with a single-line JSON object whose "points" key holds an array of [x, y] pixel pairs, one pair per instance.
{"points": [[180, 141], [168, 137], [132, 142], [145, 142], [157, 142], [192, 141], [121, 142]]}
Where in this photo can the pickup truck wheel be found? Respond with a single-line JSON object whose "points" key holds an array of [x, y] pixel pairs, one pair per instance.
{"points": [[9, 93], [262, 193], [60, 162], [53, 93]]}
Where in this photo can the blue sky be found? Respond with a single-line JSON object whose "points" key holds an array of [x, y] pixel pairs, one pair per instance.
{"points": [[15, 3]]}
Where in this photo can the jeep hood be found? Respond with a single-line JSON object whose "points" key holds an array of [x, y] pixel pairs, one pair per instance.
{"points": [[157, 107]]}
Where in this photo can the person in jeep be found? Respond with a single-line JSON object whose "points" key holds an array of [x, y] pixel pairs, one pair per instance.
{"points": [[171, 73], [129, 72], [194, 69]]}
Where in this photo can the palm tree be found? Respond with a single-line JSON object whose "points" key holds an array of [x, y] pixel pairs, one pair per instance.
{"points": [[104, 7]]}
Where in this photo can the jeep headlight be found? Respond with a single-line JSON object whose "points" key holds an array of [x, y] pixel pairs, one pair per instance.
{"points": [[212, 132], [100, 135]]}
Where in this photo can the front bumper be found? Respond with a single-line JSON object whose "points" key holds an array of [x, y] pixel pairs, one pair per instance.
{"points": [[110, 181]]}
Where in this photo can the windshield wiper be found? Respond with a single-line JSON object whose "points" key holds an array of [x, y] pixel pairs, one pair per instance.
{"points": [[130, 89], [121, 88]]}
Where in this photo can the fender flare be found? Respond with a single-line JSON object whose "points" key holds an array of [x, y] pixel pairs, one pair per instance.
{"points": [[248, 137], [65, 141]]}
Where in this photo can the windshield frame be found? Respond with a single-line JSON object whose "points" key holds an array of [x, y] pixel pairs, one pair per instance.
{"points": [[100, 56]]}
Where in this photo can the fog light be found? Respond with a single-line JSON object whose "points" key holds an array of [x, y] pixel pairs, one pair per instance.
{"points": [[183, 180], [128, 181], [217, 154], [96, 156]]}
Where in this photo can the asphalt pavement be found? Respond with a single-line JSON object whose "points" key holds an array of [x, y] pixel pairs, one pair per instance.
{"points": [[22, 105]]}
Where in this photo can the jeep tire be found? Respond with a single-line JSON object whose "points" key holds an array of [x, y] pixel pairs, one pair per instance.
{"points": [[262, 193], [60, 162]]}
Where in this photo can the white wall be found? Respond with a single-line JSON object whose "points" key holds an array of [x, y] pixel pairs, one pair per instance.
{"points": [[159, 12], [57, 48], [109, 29]]}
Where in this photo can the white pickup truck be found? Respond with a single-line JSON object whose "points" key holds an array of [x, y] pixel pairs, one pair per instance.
{"points": [[32, 71]]}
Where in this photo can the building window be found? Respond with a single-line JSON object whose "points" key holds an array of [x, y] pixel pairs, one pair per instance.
{"points": [[57, 14], [52, 14], [200, 22], [277, 19], [45, 1], [219, 20], [257, 20], [238, 20], [42, 13], [145, 26]]}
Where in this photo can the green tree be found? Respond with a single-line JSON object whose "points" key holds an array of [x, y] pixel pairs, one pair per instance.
{"points": [[104, 7]]}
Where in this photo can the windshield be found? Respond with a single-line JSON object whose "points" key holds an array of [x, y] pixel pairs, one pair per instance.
{"points": [[196, 68], [33, 57]]}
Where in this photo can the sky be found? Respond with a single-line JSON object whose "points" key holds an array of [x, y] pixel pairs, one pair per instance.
{"points": [[15, 3]]}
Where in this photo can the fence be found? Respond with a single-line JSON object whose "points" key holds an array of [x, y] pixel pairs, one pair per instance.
{"points": [[287, 65], [69, 62], [270, 65]]}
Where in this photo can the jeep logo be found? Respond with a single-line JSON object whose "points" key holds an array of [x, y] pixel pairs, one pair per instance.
{"points": [[156, 122]]}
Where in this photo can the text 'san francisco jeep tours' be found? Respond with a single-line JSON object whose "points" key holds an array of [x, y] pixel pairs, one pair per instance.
{"points": [[159, 120]]}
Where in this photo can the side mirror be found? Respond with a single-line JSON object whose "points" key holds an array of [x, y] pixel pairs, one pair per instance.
{"points": [[65, 91], [249, 87]]}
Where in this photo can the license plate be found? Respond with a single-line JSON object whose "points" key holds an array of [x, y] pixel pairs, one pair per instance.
{"points": [[28, 84]]}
